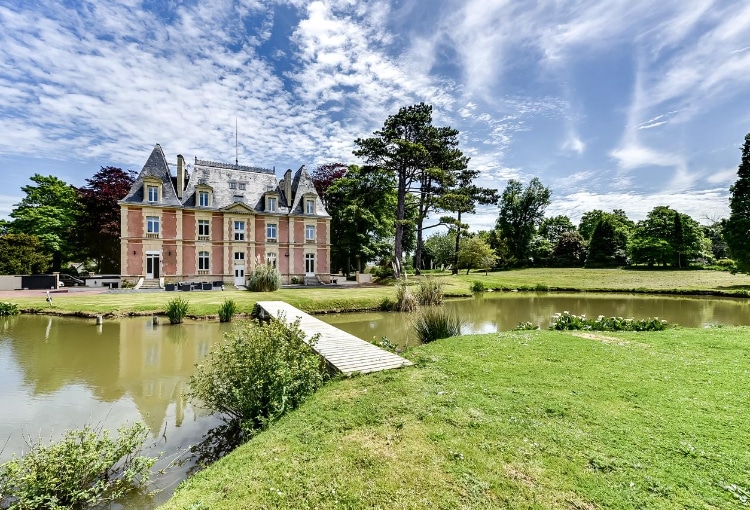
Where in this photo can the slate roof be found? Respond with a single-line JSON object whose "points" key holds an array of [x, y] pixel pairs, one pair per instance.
{"points": [[156, 166], [218, 176]]}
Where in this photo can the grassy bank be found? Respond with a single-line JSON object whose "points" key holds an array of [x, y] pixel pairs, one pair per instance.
{"points": [[335, 299], [512, 420]]}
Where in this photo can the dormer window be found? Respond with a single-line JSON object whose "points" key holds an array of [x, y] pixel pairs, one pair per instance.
{"points": [[203, 195], [152, 189], [232, 185], [309, 206], [153, 193], [272, 204], [203, 198], [242, 186]]}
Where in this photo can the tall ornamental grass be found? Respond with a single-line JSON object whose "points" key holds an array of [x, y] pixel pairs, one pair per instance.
{"points": [[177, 310], [430, 291], [406, 301], [227, 310], [264, 277], [434, 323]]}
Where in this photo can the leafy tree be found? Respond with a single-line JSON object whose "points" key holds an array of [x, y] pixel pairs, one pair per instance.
{"points": [[476, 253], [521, 212], [552, 228], [360, 204], [398, 149], [715, 233], [325, 175], [48, 211], [420, 158], [98, 217], [22, 254], [656, 239], [607, 246], [737, 228], [570, 250], [462, 198], [540, 251], [590, 219], [441, 247]]}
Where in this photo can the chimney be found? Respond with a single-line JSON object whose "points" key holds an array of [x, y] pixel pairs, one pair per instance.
{"points": [[288, 186], [180, 175]]}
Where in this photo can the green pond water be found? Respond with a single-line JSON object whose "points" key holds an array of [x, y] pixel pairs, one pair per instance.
{"points": [[58, 373]]}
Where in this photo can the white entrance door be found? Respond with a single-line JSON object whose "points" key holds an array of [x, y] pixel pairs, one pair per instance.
{"points": [[309, 264], [152, 265], [239, 275]]}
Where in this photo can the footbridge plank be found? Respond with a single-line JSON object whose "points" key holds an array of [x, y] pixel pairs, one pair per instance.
{"points": [[344, 351]]}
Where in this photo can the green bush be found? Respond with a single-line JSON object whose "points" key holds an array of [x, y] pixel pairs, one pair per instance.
{"points": [[177, 309], [227, 310], [264, 278], [430, 291], [477, 286], [87, 467], [569, 321], [387, 305], [405, 300], [435, 323], [9, 309], [259, 372], [525, 326]]}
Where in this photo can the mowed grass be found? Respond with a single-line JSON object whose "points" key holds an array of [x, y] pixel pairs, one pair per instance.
{"points": [[511, 420], [336, 299]]}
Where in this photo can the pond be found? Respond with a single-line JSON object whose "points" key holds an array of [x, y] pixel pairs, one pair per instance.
{"points": [[58, 373]]}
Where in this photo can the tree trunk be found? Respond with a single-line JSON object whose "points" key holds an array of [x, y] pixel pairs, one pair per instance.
{"points": [[398, 242], [458, 238]]}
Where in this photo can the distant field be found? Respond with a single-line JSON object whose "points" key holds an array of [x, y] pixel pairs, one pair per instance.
{"points": [[334, 299], [521, 420]]}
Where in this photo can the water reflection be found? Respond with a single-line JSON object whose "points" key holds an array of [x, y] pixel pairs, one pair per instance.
{"points": [[491, 312], [58, 373]]}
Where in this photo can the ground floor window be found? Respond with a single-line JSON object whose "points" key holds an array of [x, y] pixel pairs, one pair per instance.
{"points": [[271, 259], [203, 261]]}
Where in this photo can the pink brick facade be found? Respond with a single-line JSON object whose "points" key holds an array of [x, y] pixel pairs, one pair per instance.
{"points": [[221, 221]]}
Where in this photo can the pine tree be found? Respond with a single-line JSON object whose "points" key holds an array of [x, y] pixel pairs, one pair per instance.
{"points": [[737, 229]]}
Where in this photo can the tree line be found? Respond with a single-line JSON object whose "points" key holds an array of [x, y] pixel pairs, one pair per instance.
{"points": [[416, 178], [56, 223]]}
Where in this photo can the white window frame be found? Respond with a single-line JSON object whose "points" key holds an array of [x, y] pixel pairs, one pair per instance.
{"points": [[152, 225], [272, 258], [153, 192], [204, 261], [308, 230], [204, 195], [242, 186], [239, 230], [309, 206], [207, 234], [273, 204], [239, 257], [274, 227], [232, 185]]}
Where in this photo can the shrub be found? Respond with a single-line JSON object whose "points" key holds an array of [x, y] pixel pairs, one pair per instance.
{"points": [[227, 310], [264, 278], [177, 309], [9, 309], [383, 271], [387, 305], [477, 286], [525, 326], [569, 321], [294, 280], [87, 467], [435, 323], [405, 300], [430, 292], [259, 372]]}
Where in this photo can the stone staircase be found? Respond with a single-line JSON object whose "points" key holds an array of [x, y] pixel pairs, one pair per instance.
{"points": [[150, 283], [312, 281]]}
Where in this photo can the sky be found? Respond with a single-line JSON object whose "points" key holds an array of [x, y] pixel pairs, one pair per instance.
{"points": [[611, 103]]}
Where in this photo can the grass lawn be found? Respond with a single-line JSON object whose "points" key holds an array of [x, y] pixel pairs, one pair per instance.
{"points": [[537, 419], [334, 299]]}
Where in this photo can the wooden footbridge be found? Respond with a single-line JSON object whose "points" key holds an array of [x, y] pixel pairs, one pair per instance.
{"points": [[343, 351]]}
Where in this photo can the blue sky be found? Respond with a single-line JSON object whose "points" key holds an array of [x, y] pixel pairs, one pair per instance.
{"points": [[611, 103]]}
